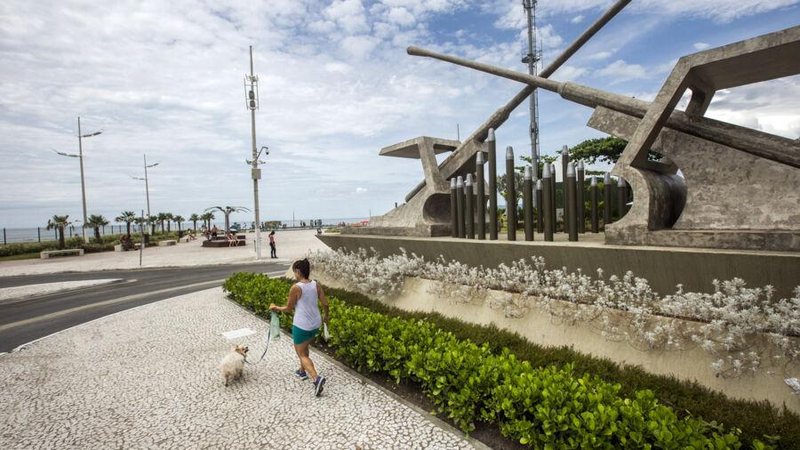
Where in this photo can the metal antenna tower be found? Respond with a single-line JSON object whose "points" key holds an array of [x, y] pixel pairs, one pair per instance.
{"points": [[532, 59]]}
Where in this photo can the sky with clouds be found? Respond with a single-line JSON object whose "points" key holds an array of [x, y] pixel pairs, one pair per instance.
{"points": [[165, 79]]}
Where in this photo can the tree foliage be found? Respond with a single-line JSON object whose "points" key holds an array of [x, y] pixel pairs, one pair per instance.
{"points": [[607, 150]]}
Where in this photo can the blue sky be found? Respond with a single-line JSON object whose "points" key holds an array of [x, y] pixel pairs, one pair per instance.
{"points": [[165, 79]]}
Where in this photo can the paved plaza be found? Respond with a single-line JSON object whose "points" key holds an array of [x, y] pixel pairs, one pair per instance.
{"points": [[148, 377], [292, 245]]}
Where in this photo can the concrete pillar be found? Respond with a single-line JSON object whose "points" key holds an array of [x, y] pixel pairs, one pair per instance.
{"points": [[579, 179], [553, 198], [539, 207], [564, 164], [527, 203], [593, 195], [469, 209], [606, 199], [453, 208], [511, 195], [571, 203], [547, 201], [460, 206], [492, 147], [480, 194], [622, 195]]}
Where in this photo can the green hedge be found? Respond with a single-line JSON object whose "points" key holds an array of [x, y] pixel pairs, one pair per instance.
{"points": [[757, 420], [106, 244], [542, 407]]}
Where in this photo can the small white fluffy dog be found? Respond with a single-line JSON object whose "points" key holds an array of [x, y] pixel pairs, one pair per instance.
{"points": [[232, 364]]}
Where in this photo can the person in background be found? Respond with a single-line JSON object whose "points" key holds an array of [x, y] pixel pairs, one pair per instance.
{"points": [[272, 249], [303, 299]]}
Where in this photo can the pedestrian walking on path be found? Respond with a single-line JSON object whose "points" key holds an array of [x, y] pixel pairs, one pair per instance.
{"points": [[303, 299], [273, 251]]}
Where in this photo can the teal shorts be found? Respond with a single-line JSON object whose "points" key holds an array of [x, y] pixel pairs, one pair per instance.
{"points": [[300, 336]]}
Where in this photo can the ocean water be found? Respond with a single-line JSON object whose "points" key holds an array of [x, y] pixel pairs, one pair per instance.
{"points": [[34, 234]]}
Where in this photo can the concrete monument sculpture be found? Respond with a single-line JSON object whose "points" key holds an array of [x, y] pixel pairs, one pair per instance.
{"points": [[427, 211], [743, 184]]}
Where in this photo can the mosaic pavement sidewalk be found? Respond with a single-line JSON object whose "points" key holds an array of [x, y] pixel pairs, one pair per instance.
{"points": [[148, 378]]}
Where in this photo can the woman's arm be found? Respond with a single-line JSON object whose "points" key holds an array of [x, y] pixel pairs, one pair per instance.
{"points": [[324, 301], [291, 302]]}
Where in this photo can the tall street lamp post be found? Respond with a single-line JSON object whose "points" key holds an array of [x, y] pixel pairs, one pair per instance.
{"points": [[83, 183], [146, 183]]}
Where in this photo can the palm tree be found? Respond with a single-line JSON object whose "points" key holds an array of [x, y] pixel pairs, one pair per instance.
{"points": [[194, 218], [96, 221], [128, 217], [207, 218], [178, 220], [59, 223], [161, 218], [169, 217], [227, 210]]}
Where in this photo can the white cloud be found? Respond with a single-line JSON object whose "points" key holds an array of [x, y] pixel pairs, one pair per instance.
{"points": [[701, 46], [348, 14], [359, 46], [401, 17], [620, 71], [577, 19], [597, 56], [569, 73]]}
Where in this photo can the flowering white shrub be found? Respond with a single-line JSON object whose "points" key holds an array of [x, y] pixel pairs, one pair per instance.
{"points": [[740, 326]]}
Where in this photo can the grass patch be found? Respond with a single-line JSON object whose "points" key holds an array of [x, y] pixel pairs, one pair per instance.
{"points": [[34, 255]]}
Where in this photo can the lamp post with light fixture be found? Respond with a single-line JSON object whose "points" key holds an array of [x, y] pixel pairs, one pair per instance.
{"points": [[83, 183], [146, 182]]}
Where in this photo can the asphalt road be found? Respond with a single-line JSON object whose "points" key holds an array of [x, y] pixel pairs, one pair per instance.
{"points": [[27, 319]]}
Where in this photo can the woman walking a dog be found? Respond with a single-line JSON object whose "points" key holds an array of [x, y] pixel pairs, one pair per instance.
{"points": [[303, 298]]}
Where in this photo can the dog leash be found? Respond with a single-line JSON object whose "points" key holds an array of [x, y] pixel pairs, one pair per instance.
{"points": [[272, 320]]}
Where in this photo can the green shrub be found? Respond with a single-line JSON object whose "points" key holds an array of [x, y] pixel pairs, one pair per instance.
{"points": [[757, 420], [27, 247], [542, 407]]}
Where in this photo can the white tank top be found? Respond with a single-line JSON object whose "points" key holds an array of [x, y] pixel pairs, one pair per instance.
{"points": [[306, 312]]}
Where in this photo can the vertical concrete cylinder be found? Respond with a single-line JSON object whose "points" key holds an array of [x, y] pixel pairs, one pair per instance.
{"points": [[453, 208], [622, 196], [539, 207], [511, 195], [571, 207], [547, 202], [553, 206], [480, 197], [492, 147], [606, 200], [593, 194], [469, 208], [579, 179], [527, 203], [460, 206], [564, 164]]}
